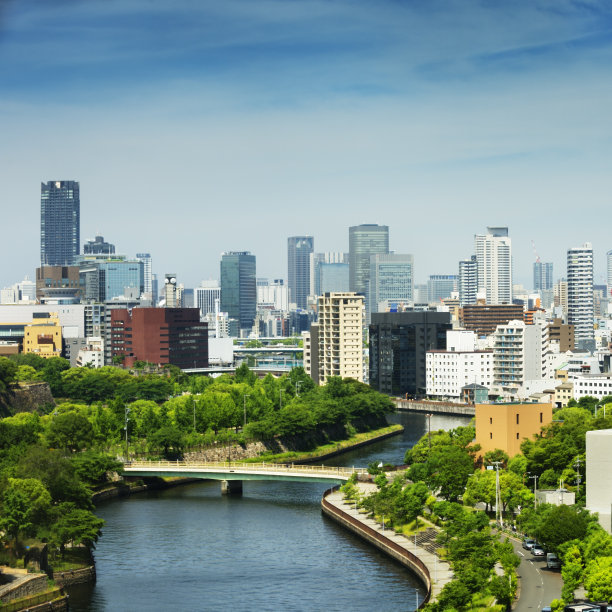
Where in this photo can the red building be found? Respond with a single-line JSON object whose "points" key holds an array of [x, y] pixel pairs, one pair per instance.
{"points": [[161, 336]]}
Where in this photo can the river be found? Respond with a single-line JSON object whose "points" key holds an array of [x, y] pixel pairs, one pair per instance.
{"points": [[190, 548]]}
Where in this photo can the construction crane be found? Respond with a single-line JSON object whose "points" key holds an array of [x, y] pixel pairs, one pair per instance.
{"points": [[535, 252]]}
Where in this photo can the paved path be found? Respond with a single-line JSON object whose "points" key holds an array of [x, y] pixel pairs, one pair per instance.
{"points": [[538, 585], [439, 571]]}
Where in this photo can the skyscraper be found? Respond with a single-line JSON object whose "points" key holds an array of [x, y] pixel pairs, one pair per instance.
{"points": [[60, 223], [440, 287], [317, 261], [542, 276], [609, 262], [238, 287], [391, 280], [468, 281], [299, 249], [580, 295], [364, 241], [494, 259], [147, 272]]}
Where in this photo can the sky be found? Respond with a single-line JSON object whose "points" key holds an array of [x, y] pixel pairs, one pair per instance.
{"points": [[196, 127]]}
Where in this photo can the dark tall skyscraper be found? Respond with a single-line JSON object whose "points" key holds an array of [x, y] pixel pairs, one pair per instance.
{"points": [[239, 287], [60, 223], [299, 249]]}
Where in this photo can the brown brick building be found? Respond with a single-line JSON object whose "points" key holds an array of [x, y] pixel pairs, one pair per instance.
{"points": [[161, 336], [484, 319]]}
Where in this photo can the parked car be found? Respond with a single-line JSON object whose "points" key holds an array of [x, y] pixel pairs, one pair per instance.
{"points": [[528, 543], [552, 561], [537, 551]]}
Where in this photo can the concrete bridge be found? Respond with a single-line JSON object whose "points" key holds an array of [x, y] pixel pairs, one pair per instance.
{"points": [[231, 473]]}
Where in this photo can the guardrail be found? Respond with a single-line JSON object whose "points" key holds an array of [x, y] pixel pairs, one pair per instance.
{"points": [[248, 467]]}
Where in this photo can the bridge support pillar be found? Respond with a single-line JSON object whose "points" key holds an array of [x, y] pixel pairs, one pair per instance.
{"points": [[231, 487]]}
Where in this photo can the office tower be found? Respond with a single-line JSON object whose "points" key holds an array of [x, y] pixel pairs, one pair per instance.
{"points": [[147, 267], [333, 278], [98, 246], [580, 295], [206, 296], [273, 294], [364, 241], [107, 277], [238, 287], [299, 249], [391, 281], [609, 267], [494, 261], [399, 342], [441, 286], [154, 289], [337, 338], [542, 276], [317, 261], [60, 223], [171, 291], [468, 280]]}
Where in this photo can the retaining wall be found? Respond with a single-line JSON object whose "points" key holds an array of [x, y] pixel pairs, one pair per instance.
{"points": [[405, 557], [436, 407]]}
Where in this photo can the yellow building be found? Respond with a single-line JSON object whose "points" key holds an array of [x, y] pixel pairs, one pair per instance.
{"points": [[505, 426], [43, 336]]}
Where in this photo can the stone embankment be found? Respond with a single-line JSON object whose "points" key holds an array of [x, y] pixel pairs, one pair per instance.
{"points": [[418, 556], [434, 407]]}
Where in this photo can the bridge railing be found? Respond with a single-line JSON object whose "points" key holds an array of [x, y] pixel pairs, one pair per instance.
{"points": [[243, 465]]}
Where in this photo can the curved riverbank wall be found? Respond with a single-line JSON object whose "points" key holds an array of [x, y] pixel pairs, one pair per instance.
{"points": [[433, 572]]}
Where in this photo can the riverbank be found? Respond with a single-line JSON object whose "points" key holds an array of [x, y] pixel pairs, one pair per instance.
{"points": [[433, 572]]}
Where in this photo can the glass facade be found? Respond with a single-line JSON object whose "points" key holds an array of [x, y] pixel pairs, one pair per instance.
{"points": [[60, 222], [239, 287], [299, 249]]}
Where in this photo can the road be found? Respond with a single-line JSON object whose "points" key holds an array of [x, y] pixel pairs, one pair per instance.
{"points": [[538, 585]]}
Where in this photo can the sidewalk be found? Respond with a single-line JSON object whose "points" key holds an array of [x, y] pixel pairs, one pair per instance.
{"points": [[439, 571]]}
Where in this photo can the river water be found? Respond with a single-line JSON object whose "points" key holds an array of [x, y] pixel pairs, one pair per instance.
{"points": [[190, 548]]}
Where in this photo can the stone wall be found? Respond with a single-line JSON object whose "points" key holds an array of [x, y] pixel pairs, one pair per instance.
{"points": [[32, 584], [28, 397], [80, 576]]}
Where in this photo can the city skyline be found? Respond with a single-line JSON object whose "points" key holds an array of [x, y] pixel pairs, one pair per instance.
{"points": [[266, 119]]}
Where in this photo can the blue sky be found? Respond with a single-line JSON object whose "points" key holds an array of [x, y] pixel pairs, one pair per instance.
{"points": [[196, 127]]}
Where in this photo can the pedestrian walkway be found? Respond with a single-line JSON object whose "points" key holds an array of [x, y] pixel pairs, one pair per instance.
{"points": [[423, 546]]}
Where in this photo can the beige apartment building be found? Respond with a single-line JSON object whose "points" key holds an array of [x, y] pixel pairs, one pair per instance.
{"points": [[505, 426], [335, 344]]}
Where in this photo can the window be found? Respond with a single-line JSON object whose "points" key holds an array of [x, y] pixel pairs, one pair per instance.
{"points": [[490, 420], [541, 417], [490, 435], [517, 436], [517, 418]]}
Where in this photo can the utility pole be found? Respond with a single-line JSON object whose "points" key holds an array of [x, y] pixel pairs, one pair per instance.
{"points": [[498, 512], [429, 415], [535, 485], [578, 478], [297, 388], [280, 401], [244, 404]]}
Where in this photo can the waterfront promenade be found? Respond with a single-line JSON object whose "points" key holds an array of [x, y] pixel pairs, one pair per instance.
{"points": [[417, 555]]}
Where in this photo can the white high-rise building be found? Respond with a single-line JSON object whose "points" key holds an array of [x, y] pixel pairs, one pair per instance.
{"points": [[147, 272], [520, 353], [205, 296], [274, 293], [580, 312], [494, 265]]}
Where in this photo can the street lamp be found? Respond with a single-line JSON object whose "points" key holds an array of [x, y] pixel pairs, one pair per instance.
{"points": [[497, 495], [280, 402], [297, 387], [535, 484], [244, 404], [429, 415], [127, 448]]}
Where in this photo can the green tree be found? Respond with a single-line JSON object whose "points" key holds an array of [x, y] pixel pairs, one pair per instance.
{"points": [[496, 455], [598, 579], [93, 466], [170, 441], [449, 468], [76, 526], [571, 573], [25, 504], [558, 524], [70, 431], [8, 373]]}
